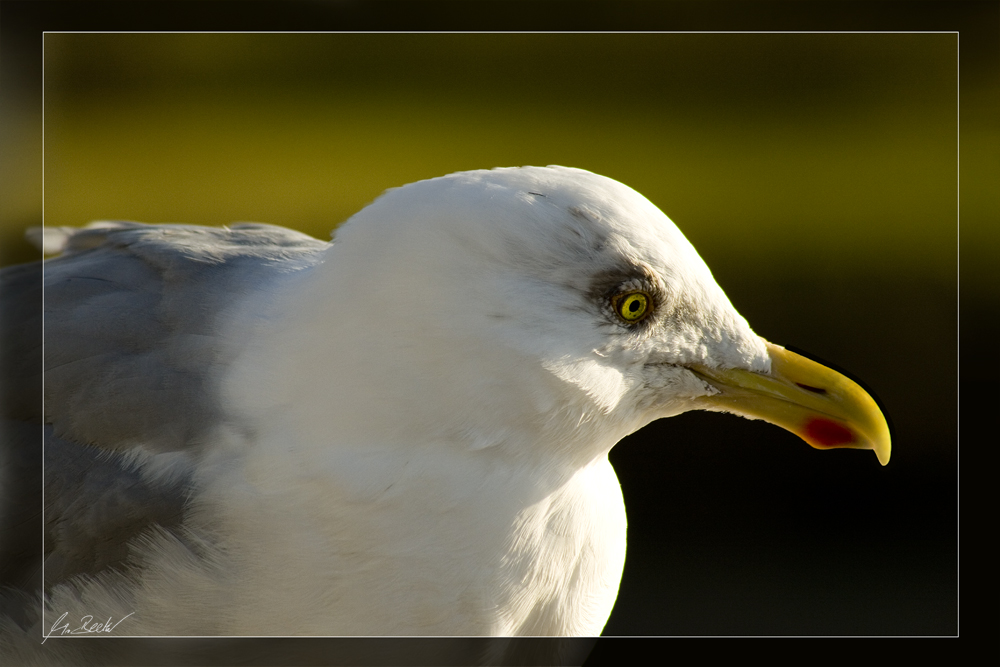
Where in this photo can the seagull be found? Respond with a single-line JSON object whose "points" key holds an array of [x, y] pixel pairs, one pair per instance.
{"points": [[404, 431]]}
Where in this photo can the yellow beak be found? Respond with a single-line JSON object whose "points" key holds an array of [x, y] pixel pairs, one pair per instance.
{"points": [[818, 404]]}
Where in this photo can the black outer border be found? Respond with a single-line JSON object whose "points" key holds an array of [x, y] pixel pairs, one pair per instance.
{"points": [[978, 24]]}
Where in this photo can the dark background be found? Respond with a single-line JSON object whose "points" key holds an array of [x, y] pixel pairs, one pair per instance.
{"points": [[828, 179]]}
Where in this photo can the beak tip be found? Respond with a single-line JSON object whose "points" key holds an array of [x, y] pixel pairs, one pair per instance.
{"points": [[883, 452]]}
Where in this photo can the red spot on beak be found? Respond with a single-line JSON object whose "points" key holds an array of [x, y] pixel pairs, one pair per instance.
{"points": [[826, 433]]}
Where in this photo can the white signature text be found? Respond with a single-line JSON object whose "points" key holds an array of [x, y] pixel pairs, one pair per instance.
{"points": [[88, 626]]}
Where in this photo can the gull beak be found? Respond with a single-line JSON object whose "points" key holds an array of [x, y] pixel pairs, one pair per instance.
{"points": [[818, 404]]}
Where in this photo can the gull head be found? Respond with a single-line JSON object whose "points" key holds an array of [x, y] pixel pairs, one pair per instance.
{"points": [[552, 311]]}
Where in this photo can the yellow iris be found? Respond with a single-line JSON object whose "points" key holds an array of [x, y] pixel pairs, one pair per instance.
{"points": [[632, 307]]}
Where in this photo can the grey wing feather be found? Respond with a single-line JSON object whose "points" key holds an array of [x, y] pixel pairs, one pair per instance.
{"points": [[132, 355], [96, 503], [131, 326]]}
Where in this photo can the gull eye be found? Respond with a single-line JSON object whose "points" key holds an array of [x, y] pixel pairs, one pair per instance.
{"points": [[632, 306]]}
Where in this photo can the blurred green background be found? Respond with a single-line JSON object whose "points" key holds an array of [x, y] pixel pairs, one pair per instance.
{"points": [[817, 174], [849, 140]]}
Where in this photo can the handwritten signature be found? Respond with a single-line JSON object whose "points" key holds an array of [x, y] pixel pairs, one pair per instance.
{"points": [[87, 626]]}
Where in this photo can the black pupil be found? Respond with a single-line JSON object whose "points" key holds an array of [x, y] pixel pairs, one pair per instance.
{"points": [[634, 306]]}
